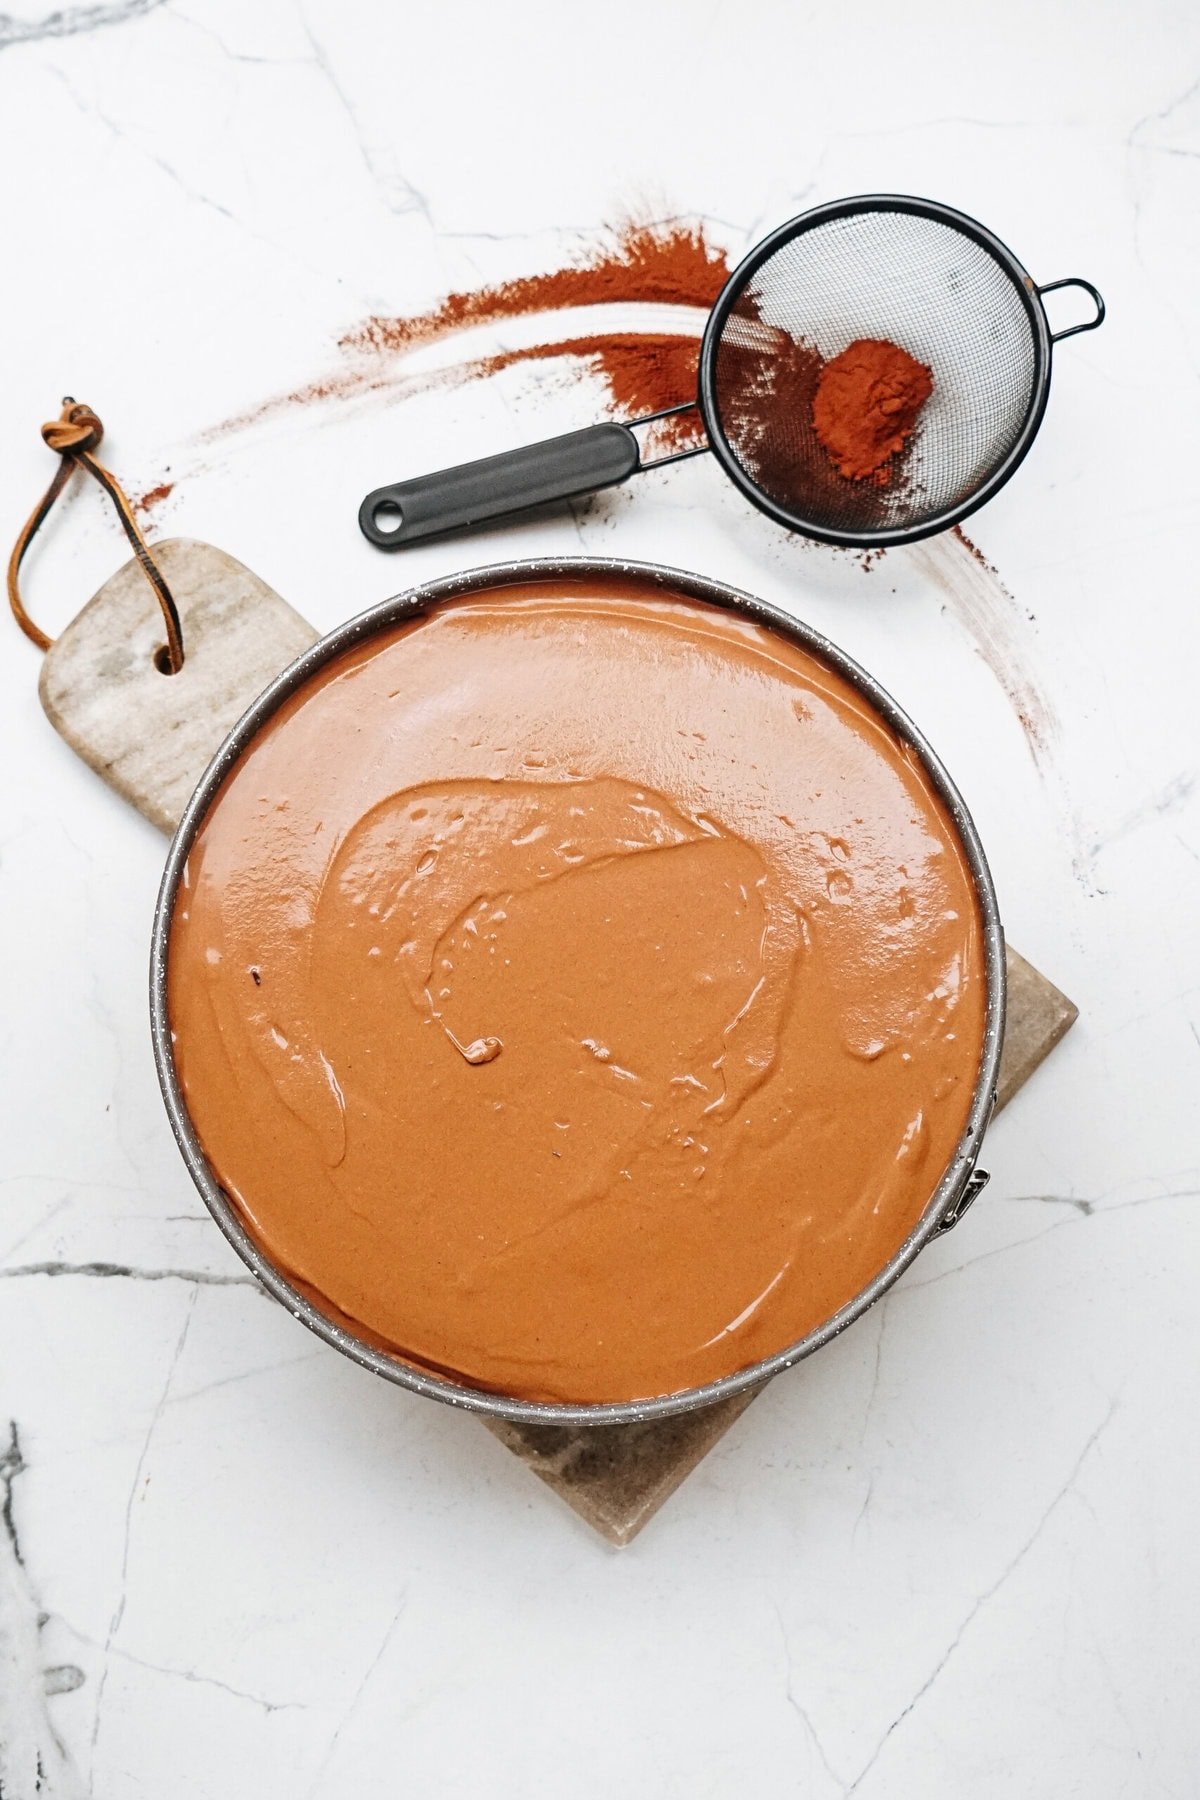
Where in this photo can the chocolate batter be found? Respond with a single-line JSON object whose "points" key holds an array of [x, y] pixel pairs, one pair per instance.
{"points": [[578, 991]]}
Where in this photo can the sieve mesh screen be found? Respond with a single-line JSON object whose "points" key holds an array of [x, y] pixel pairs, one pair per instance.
{"points": [[917, 282]]}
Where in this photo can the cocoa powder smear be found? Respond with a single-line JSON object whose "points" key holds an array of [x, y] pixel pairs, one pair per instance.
{"points": [[769, 395], [670, 264], [581, 1052]]}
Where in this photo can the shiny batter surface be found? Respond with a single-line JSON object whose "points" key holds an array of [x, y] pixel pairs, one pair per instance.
{"points": [[577, 990]]}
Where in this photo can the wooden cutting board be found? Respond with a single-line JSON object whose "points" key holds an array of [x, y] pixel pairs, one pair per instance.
{"points": [[151, 736]]}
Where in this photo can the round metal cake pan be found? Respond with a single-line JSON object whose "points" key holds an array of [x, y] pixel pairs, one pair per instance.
{"points": [[952, 1192]]}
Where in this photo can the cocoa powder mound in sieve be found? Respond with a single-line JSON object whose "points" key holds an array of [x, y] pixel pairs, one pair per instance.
{"points": [[812, 434], [866, 406]]}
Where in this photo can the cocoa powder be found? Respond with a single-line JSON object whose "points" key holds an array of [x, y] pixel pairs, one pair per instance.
{"points": [[768, 382], [146, 503], [806, 435], [669, 264], [642, 371], [866, 405]]}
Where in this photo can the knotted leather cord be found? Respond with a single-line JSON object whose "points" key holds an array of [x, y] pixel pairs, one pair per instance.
{"points": [[74, 435]]}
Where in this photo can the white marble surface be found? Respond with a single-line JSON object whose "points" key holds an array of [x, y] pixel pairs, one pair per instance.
{"points": [[956, 1553]]}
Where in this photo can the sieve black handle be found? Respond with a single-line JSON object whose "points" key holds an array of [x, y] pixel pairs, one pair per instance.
{"points": [[561, 468], [1094, 294]]}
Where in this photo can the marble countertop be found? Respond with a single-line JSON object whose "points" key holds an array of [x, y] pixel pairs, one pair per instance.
{"points": [[952, 1555]]}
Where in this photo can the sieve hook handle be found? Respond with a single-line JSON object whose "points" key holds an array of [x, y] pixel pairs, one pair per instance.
{"points": [[495, 487], [1056, 337]]}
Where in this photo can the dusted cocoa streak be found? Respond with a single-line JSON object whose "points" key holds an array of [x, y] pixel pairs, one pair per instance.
{"points": [[579, 991], [670, 263]]}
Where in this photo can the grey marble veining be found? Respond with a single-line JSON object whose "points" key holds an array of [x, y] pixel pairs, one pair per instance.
{"points": [[957, 1554]]}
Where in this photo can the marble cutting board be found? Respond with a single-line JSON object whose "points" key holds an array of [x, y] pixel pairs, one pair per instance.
{"points": [[150, 738]]}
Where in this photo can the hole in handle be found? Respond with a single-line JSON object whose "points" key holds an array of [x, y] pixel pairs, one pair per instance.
{"points": [[387, 517], [1093, 293]]}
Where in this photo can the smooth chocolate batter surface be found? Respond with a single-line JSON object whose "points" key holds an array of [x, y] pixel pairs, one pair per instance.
{"points": [[578, 991]]}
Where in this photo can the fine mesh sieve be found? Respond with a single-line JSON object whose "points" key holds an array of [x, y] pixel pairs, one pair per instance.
{"points": [[917, 275], [888, 267]]}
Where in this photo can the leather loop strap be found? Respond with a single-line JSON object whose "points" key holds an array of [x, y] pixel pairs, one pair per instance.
{"points": [[74, 435]]}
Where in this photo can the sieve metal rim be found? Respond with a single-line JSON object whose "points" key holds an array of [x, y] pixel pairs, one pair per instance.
{"points": [[886, 536], [946, 1204]]}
